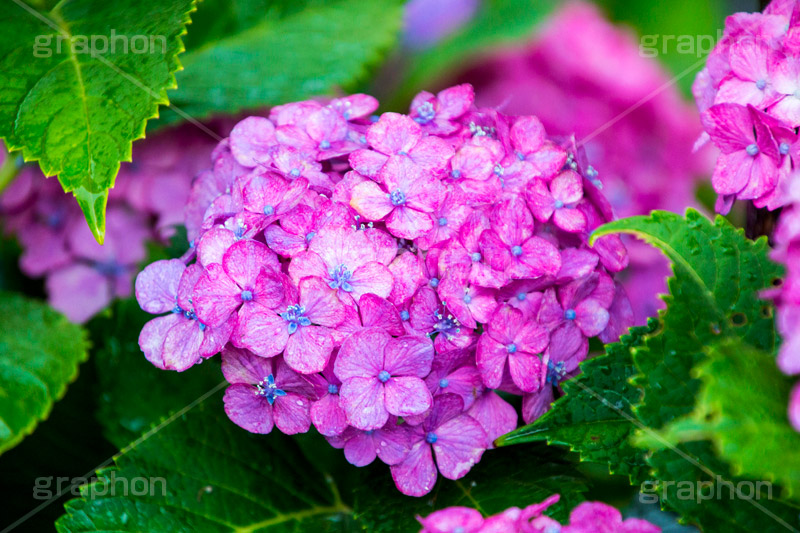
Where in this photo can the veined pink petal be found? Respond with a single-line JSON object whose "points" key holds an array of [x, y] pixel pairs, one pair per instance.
{"points": [[363, 401], [416, 475], [406, 396], [247, 410], [459, 445]]}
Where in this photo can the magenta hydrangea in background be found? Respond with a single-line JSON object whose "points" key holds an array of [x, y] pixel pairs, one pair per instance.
{"points": [[748, 96], [81, 276], [588, 517], [580, 74], [383, 277]]}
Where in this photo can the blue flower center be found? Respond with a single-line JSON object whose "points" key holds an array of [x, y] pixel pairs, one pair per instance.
{"points": [[384, 376], [443, 221], [570, 314], [324, 145], [467, 299], [752, 150], [498, 170], [448, 325], [511, 348], [521, 296], [434, 282], [444, 382], [340, 278], [247, 296], [516, 251], [404, 315], [555, 372], [476, 256], [431, 437], [760, 84], [269, 390], [455, 174], [269, 210], [397, 197], [558, 204], [310, 235], [201, 326], [784, 148], [295, 172], [333, 389], [425, 113], [294, 316]]}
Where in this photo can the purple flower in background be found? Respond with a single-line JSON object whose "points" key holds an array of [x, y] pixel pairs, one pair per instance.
{"points": [[382, 375], [265, 393], [426, 22], [457, 439]]}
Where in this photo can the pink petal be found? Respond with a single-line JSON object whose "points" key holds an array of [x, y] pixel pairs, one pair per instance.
{"points": [[379, 312], [363, 401], [251, 140], [406, 396], [321, 305], [408, 223], [371, 201], [241, 366], [245, 259], [408, 356], [495, 415], [262, 332], [308, 349], [151, 338], [491, 359], [291, 413], [247, 410], [216, 296], [373, 278], [182, 345], [460, 443], [157, 285], [361, 355], [393, 133], [328, 416], [526, 371], [360, 450], [416, 475]]}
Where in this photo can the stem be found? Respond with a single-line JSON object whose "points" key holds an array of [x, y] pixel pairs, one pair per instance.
{"points": [[760, 222]]}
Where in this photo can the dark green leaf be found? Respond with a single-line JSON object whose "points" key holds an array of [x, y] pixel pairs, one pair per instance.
{"points": [[134, 394], [76, 91], [506, 477], [288, 55], [714, 294], [203, 473], [594, 416], [741, 408], [39, 356]]}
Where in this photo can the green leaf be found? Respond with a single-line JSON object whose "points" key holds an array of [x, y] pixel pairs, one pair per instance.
{"points": [[714, 294], [741, 408], [498, 23], [290, 54], [79, 82], [39, 356], [124, 373], [594, 416], [204, 473], [506, 477]]}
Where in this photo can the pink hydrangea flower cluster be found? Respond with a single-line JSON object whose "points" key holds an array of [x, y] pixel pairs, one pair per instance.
{"points": [[381, 277], [581, 74], [81, 276], [787, 296], [748, 96], [588, 517]]}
